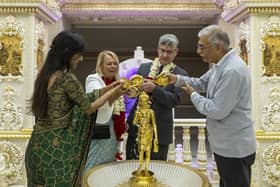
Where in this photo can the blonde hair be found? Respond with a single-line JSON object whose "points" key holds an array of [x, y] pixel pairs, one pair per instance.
{"points": [[100, 61]]}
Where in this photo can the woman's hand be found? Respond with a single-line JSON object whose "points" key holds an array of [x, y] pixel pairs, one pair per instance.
{"points": [[109, 87]]}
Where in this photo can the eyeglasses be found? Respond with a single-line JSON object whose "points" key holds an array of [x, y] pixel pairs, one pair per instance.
{"points": [[202, 47], [169, 52]]}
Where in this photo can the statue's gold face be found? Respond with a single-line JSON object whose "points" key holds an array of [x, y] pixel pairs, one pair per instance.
{"points": [[144, 100]]}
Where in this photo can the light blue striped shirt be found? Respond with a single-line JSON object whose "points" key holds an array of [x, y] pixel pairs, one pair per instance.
{"points": [[227, 105]]}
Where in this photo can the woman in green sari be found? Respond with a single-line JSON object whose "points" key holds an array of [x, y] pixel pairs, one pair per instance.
{"points": [[56, 153]]}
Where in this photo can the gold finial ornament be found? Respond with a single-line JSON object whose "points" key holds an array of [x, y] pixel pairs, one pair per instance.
{"points": [[133, 86], [161, 80], [137, 80], [126, 83]]}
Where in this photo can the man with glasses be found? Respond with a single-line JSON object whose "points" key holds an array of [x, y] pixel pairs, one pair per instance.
{"points": [[227, 106], [163, 99]]}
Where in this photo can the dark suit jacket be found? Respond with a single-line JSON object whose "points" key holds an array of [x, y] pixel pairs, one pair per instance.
{"points": [[163, 100]]}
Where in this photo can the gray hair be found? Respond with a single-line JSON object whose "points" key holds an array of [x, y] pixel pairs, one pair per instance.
{"points": [[215, 35], [169, 39]]}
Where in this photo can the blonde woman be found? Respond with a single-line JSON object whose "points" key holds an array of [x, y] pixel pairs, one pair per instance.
{"points": [[111, 116]]}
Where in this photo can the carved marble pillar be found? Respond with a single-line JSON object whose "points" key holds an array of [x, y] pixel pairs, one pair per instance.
{"points": [[186, 144], [202, 156], [171, 150]]}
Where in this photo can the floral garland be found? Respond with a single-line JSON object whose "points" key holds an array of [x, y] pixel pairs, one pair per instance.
{"points": [[118, 118], [119, 106], [119, 123], [155, 68]]}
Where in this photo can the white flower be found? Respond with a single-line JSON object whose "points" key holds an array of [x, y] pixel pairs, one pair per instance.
{"points": [[155, 68], [119, 106]]}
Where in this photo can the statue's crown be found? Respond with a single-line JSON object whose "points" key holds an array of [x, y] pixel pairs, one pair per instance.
{"points": [[144, 96]]}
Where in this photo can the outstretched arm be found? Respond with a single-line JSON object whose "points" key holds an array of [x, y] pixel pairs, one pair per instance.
{"points": [[101, 100]]}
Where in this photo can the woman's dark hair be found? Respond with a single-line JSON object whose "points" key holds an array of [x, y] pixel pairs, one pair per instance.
{"points": [[64, 46]]}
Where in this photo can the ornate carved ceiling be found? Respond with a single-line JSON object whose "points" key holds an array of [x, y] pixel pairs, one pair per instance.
{"points": [[179, 12]]}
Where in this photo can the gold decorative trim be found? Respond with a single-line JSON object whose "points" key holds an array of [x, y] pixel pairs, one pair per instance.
{"points": [[20, 134], [266, 10], [262, 135], [138, 6], [143, 12]]}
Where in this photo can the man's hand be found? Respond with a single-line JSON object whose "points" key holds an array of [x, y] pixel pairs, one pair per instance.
{"points": [[188, 89], [172, 78], [148, 86]]}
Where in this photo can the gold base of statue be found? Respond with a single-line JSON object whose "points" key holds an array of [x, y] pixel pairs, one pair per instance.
{"points": [[142, 179]]}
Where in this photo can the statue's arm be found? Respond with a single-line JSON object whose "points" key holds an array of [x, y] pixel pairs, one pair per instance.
{"points": [[155, 131], [136, 118]]}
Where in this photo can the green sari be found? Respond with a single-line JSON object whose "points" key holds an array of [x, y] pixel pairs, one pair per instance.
{"points": [[57, 150]]}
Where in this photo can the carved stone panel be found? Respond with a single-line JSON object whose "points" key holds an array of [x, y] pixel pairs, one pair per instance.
{"points": [[11, 163], [11, 115], [271, 164], [271, 112], [244, 41], [40, 41]]}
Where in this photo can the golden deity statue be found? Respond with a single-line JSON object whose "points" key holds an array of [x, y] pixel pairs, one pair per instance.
{"points": [[147, 131], [147, 140], [147, 136]]}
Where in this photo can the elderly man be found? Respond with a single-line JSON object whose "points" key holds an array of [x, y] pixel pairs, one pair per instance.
{"points": [[227, 106]]}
